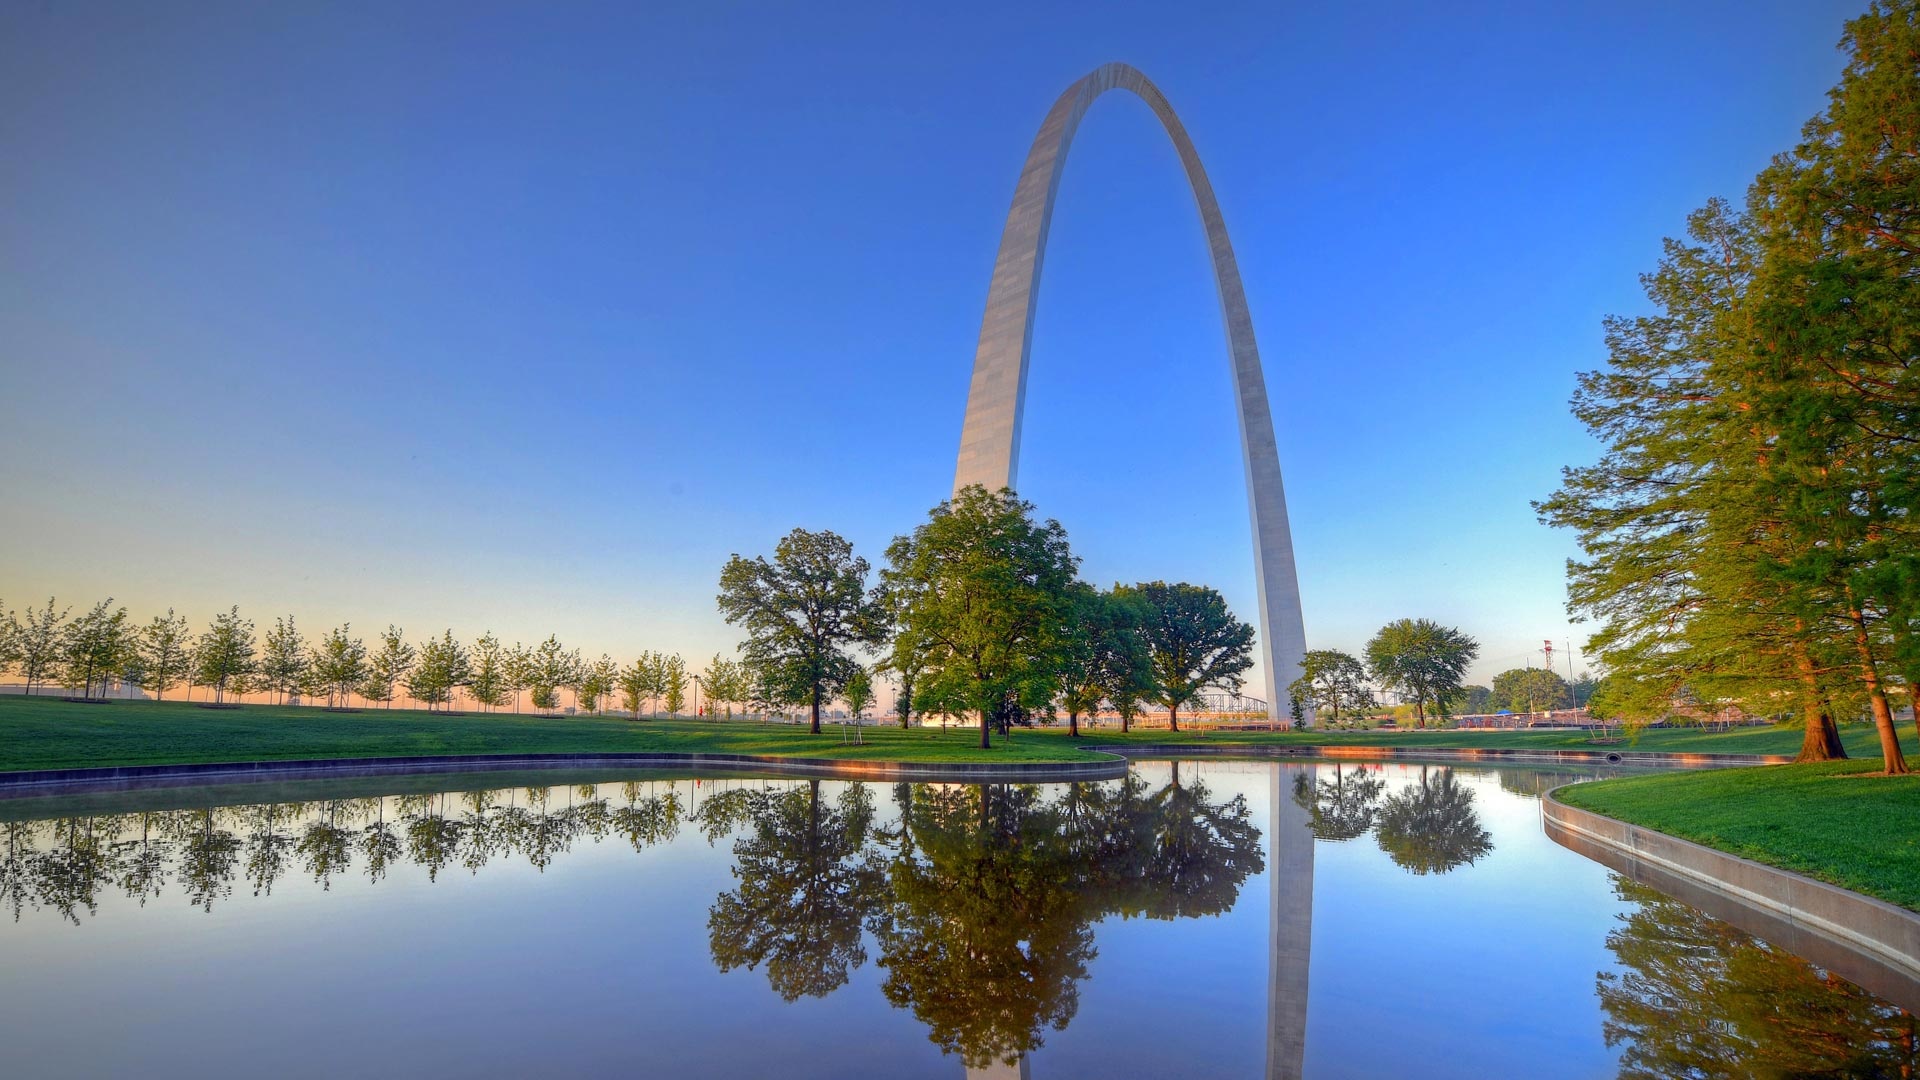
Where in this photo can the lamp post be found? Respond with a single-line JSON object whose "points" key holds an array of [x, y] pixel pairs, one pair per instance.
{"points": [[696, 697]]}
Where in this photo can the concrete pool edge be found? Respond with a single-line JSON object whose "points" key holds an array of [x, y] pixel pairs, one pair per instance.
{"points": [[1870, 942], [40, 782]]}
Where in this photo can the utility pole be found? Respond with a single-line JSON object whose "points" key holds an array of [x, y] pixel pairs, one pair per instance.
{"points": [[1548, 666]]}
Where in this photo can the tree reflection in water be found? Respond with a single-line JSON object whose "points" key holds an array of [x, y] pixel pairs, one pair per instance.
{"points": [[981, 899], [984, 922], [982, 932], [1342, 807], [1533, 783], [64, 865], [1431, 827], [1695, 997], [807, 881]]}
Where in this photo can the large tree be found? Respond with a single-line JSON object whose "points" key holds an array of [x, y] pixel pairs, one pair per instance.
{"points": [[1830, 375], [1748, 531], [1531, 690], [1194, 643], [803, 611], [1423, 661], [990, 603], [1106, 658], [1334, 682]]}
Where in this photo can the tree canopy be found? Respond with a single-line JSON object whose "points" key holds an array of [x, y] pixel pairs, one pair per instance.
{"points": [[1193, 642], [1423, 661], [803, 611], [1748, 533], [991, 604]]}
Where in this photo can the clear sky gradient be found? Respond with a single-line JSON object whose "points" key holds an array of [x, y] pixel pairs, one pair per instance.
{"points": [[524, 317]]}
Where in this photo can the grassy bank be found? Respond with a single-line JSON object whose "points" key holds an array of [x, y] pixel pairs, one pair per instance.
{"points": [[1859, 739], [1828, 821], [47, 733]]}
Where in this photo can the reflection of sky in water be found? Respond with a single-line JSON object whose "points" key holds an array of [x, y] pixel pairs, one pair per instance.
{"points": [[602, 961]]}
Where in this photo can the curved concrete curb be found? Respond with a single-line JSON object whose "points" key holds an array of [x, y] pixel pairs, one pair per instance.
{"points": [[1493, 754], [133, 777], [1867, 941]]}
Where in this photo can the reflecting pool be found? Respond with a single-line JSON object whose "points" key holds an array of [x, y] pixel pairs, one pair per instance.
{"points": [[1197, 919]]}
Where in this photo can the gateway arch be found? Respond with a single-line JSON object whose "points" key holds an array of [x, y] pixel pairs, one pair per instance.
{"points": [[996, 398]]}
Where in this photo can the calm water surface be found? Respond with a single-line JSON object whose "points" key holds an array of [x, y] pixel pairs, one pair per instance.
{"points": [[1170, 925]]}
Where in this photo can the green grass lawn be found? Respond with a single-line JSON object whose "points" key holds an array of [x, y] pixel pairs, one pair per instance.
{"points": [[47, 733], [1828, 821]]}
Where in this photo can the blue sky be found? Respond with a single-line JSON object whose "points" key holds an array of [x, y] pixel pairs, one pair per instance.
{"points": [[524, 317]]}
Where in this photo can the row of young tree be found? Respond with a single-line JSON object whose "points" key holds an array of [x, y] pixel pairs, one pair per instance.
{"points": [[91, 652], [1749, 533], [979, 612]]}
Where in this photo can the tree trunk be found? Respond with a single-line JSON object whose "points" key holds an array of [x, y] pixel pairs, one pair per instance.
{"points": [[1073, 724], [816, 708], [1896, 761], [985, 743], [1173, 718], [1126, 724], [1822, 741]]}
